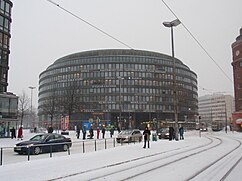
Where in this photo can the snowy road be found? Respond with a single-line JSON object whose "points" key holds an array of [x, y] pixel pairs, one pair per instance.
{"points": [[214, 156], [175, 164]]}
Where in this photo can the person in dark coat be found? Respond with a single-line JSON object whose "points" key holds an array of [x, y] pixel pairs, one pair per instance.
{"points": [[84, 131], [119, 130], [13, 133], [50, 129], [181, 132], [91, 133], [111, 132], [146, 134], [171, 133], [78, 131], [103, 131]]}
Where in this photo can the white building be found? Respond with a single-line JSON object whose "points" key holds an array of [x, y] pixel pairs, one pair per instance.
{"points": [[215, 107]]}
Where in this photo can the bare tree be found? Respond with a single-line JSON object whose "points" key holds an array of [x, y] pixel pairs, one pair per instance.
{"points": [[71, 101], [30, 118], [50, 107], [23, 106]]}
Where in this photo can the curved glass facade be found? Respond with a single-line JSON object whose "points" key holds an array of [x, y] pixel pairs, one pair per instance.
{"points": [[122, 87]]}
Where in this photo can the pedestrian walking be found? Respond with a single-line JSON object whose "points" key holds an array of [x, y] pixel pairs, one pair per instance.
{"points": [[98, 132], [146, 134], [91, 133], [84, 131], [181, 132], [111, 131], [20, 133], [119, 130], [171, 133], [78, 131], [13, 133], [50, 129], [103, 131]]}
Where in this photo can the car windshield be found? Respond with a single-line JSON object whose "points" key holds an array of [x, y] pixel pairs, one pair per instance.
{"points": [[125, 132], [39, 137], [164, 129]]}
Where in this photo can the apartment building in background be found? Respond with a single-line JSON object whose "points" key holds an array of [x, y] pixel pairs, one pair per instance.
{"points": [[216, 107]]}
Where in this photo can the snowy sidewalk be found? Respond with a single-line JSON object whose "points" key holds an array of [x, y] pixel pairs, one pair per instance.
{"points": [[50, 168]]}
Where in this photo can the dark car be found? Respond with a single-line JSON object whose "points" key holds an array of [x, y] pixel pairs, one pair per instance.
{"points": [[129, 136], [43, 143], [163, 133]]}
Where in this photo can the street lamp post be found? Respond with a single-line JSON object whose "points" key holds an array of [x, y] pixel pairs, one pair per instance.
{"points": [[172, 24], [31, 88], [226, 122]]}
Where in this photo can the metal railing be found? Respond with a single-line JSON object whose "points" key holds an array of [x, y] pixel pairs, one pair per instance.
{"points": [[81, 146]]}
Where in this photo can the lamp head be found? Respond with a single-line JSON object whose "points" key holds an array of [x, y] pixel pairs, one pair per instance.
{"points": [[31, 87], [175, 22]]}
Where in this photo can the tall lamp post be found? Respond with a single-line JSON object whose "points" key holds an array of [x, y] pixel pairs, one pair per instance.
{"points": [[226, 122], [31, 88], [172, 24]]}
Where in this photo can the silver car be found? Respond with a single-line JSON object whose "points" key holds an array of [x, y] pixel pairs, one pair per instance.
{"points": [[129, 136], [163, 133]]}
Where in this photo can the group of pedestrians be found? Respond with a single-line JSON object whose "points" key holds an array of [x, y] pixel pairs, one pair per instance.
{"points": [[20, 133], [91, 132], [172, 133], [146, 133]]}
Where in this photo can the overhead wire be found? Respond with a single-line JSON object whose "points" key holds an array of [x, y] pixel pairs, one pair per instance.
{"points": [[196, 40], [126, 45], [212, 91], [208, 90], [90, 24]]}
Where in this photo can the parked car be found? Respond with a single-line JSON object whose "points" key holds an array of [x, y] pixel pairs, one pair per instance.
{"points": [[37, 130], [129, 136], [43, 143], [163, 133]]}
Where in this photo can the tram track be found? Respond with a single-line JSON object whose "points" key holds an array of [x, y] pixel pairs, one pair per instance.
{"points": [[148, 160], [231, 169], [176, 160], [220, 159]]}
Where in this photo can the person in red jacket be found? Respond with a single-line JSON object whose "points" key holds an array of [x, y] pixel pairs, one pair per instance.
{"points": [[20, 133], [98, 132]]}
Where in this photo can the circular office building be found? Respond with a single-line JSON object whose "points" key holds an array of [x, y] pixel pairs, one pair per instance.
{"points": [[124, 88]]}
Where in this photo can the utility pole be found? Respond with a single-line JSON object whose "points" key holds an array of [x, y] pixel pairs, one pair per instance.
{"points": [[172, 24], [31, 105]]}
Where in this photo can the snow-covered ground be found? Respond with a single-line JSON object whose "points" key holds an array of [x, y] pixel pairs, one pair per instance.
{"points": [[213, 156]]}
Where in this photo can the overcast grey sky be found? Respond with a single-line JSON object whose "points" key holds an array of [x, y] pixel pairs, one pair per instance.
{"points": [[42, 33]]}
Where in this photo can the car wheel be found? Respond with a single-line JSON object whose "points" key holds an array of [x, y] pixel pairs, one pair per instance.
{"points": [[140, 139], [65, 147], [37, 150]]}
